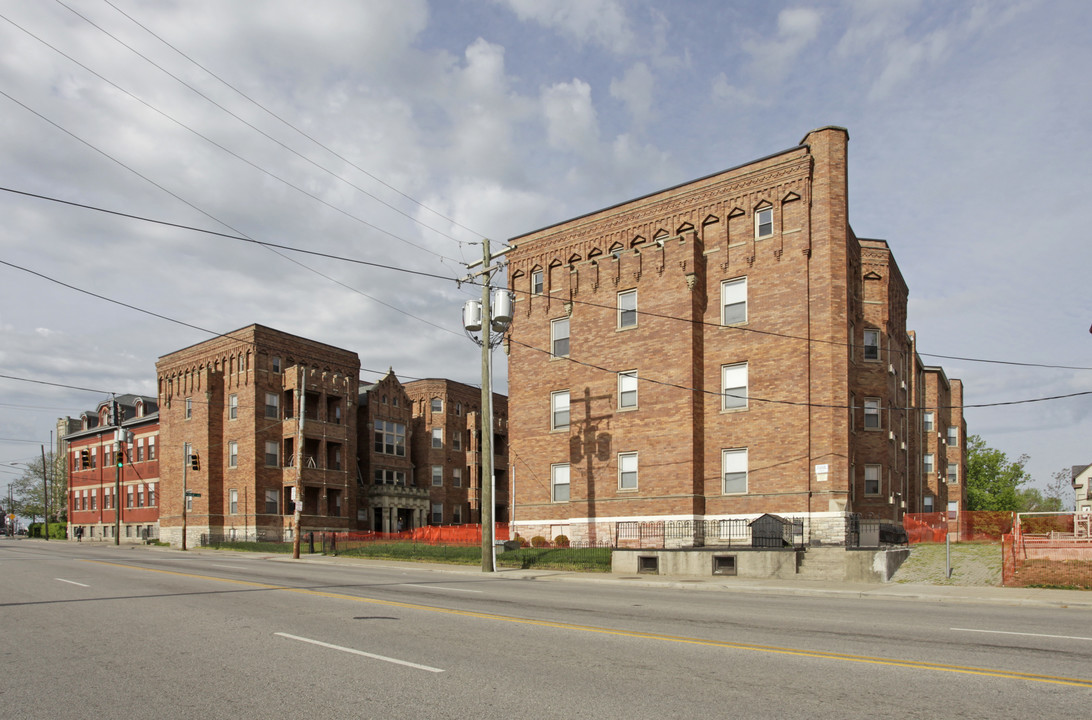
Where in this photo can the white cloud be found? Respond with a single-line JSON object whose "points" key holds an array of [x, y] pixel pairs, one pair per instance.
{"points": [[600, 22], [796, 29], [570, 116], [635, 91]]}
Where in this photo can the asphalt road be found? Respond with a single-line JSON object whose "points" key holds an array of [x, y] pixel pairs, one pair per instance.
{"points": [[98, 631]]}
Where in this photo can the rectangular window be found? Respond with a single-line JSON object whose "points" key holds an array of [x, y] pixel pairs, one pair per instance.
{"points": [[233, 407], [457, 440], [559, 337], [140, 496], [271, 502], [734, 466], [272, 405], [458, 409], [457, 515], [872, 413], [457, 477], [927, 463], [140, 450], [953, 473], [94, 459], [129, 496], [536, 282], [437, 475], [872, 479], [151, 495], [189, 408], [627, 309], [927, 504], [559, 410], [627, 389], [871, 344], [559, 482], [437, 405], [233, 454], [390, 438], [764, 222], [734, 384], [437, 438], [272, 454], [151, 448], [927, 421], [953, 436], [733, 299], [627, 471], [94, 499], [276, 364], [437, 513], [234, 500]]}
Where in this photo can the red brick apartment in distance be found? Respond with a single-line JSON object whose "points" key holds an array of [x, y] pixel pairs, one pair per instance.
{"points": [[723, 349], [113, 452]]}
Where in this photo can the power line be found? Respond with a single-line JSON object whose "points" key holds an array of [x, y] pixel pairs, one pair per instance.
{"points": [[245, 122], [206, 139], [290, 125]]}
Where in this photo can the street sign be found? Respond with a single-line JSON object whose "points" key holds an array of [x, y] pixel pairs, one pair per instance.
{"points": [[192, 494]]}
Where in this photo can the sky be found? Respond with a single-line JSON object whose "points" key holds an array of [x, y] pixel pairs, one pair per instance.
{"points": [[396, 134]]}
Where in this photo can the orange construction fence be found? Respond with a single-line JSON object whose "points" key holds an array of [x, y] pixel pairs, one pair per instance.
{"points": [[965, 526]]}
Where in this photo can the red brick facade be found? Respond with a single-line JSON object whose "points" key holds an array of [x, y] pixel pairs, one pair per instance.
{"points": [[740, 302]]}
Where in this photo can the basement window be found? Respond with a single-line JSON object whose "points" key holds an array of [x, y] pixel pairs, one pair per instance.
{"points": [[724, 564], [648, 564]]}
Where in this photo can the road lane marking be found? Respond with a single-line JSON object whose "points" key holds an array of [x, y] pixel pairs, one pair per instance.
{"points": [[440, 587], [71, 582], [1007, 632], [384, 658], [819, 654], [229, 567]]}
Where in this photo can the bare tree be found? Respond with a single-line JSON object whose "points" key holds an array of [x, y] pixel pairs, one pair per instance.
{"points": [[29, 490]]}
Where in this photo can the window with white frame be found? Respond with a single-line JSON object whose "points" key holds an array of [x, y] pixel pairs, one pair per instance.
{"points": [[927, 421], [151, 448], [151, 494], [437, 438], [457, 477], [437, 513], [733, 300], [234, 500], [871, 344], [559, 337], [734, 384], [456, 440], [272, 405], [437, 475], [233, 407], [927, 504], [872, 413], [627, 309], [272, 454], [927, 463], [272, 502], [953, 436], [559, 410], [734, 468], [437, 405], [872, 475], [627, 471], [536, 282], [189, 408], [764, 222], [627, 390], [953, 473], [233, 454], [457, 514], [559, 482]]}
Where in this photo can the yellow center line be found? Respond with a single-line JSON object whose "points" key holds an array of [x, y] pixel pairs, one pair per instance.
{"points": [[819, 654]]}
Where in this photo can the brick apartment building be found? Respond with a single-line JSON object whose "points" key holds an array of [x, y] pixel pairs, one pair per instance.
{"points": [[271, 418], [447, 449], [99, 467], [720, 349]]}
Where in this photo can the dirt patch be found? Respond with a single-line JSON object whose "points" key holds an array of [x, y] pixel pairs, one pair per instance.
{"points": [[972, 563]]}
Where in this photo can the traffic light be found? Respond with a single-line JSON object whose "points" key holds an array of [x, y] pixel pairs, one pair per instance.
{"points": [[85, 459], [195, 461], [119, 457]]}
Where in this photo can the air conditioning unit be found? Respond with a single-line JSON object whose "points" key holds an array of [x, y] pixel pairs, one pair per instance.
{"points": [[903, 446], [890, 434], [891, 369], [903, 385]]}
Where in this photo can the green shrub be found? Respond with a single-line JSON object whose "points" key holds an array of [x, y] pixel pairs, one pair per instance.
{"points": [[539, 541]]}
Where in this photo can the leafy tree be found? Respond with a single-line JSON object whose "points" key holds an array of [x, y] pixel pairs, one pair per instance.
{"points": [[29, 492], [993, 479], [1032, 500]]}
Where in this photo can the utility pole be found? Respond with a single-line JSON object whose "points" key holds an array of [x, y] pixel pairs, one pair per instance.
{"points": [[185, 491], [45, 493], [482, 317], [117, 469], [298, 499]]}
